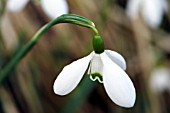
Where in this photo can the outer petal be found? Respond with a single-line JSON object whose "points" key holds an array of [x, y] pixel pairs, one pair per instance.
{"points": [[71, 75], [54, 8], [117, 58], [117, 83], [16, 5]]}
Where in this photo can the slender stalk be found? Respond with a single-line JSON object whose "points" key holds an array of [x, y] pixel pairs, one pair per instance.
{"points": [[67, 18], [83, 19], [83, 25]]}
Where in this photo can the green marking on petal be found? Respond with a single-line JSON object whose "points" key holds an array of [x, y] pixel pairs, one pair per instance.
{"points": [[96, 76]]}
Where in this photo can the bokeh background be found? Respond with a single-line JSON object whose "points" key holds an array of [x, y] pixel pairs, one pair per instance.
{"points": [[29, 88]]}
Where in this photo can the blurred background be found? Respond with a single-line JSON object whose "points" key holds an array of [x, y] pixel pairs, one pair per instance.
{"points": [[137, 29]]}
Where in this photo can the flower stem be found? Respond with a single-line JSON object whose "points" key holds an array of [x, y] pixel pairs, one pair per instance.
{"points": [[67, 18]]}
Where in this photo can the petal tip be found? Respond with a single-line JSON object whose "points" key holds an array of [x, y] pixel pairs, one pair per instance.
{"points": [[129, 104], [55, 89], [58, 90], [126, 104]]}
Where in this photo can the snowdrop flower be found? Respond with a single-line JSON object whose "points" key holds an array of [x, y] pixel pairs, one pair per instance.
{"points": [[16, 5], [160, 79], [53, 8], [107, 67], [151, 10]]}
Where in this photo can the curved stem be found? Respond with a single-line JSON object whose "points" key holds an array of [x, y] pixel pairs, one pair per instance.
{"points": [[79, 18], [72, 19], [83, 25]]}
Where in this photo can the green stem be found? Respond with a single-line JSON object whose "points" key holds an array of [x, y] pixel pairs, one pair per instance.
{"points": [[82, 24], [74, 19], [83, 19]]}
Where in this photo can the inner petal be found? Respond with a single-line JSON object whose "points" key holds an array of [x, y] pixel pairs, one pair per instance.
{"points": [[96, 76], [96, 68]]}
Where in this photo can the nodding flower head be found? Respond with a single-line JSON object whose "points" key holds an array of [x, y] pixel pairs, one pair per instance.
{"points": [[107, 67]]}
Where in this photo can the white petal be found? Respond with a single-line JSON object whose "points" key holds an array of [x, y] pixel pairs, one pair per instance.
{"points": [[92, 54], [96, 64], [117, 83], [16, 5], [54, 8], [133, 7], [153, 11], [71, 75], [160, 79], [117, 58], [96, 67]]}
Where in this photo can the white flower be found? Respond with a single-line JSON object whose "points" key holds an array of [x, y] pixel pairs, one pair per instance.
{"points": [[151, 10], [16, 5], [52, 8], [107, 67], [160, 79]]}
